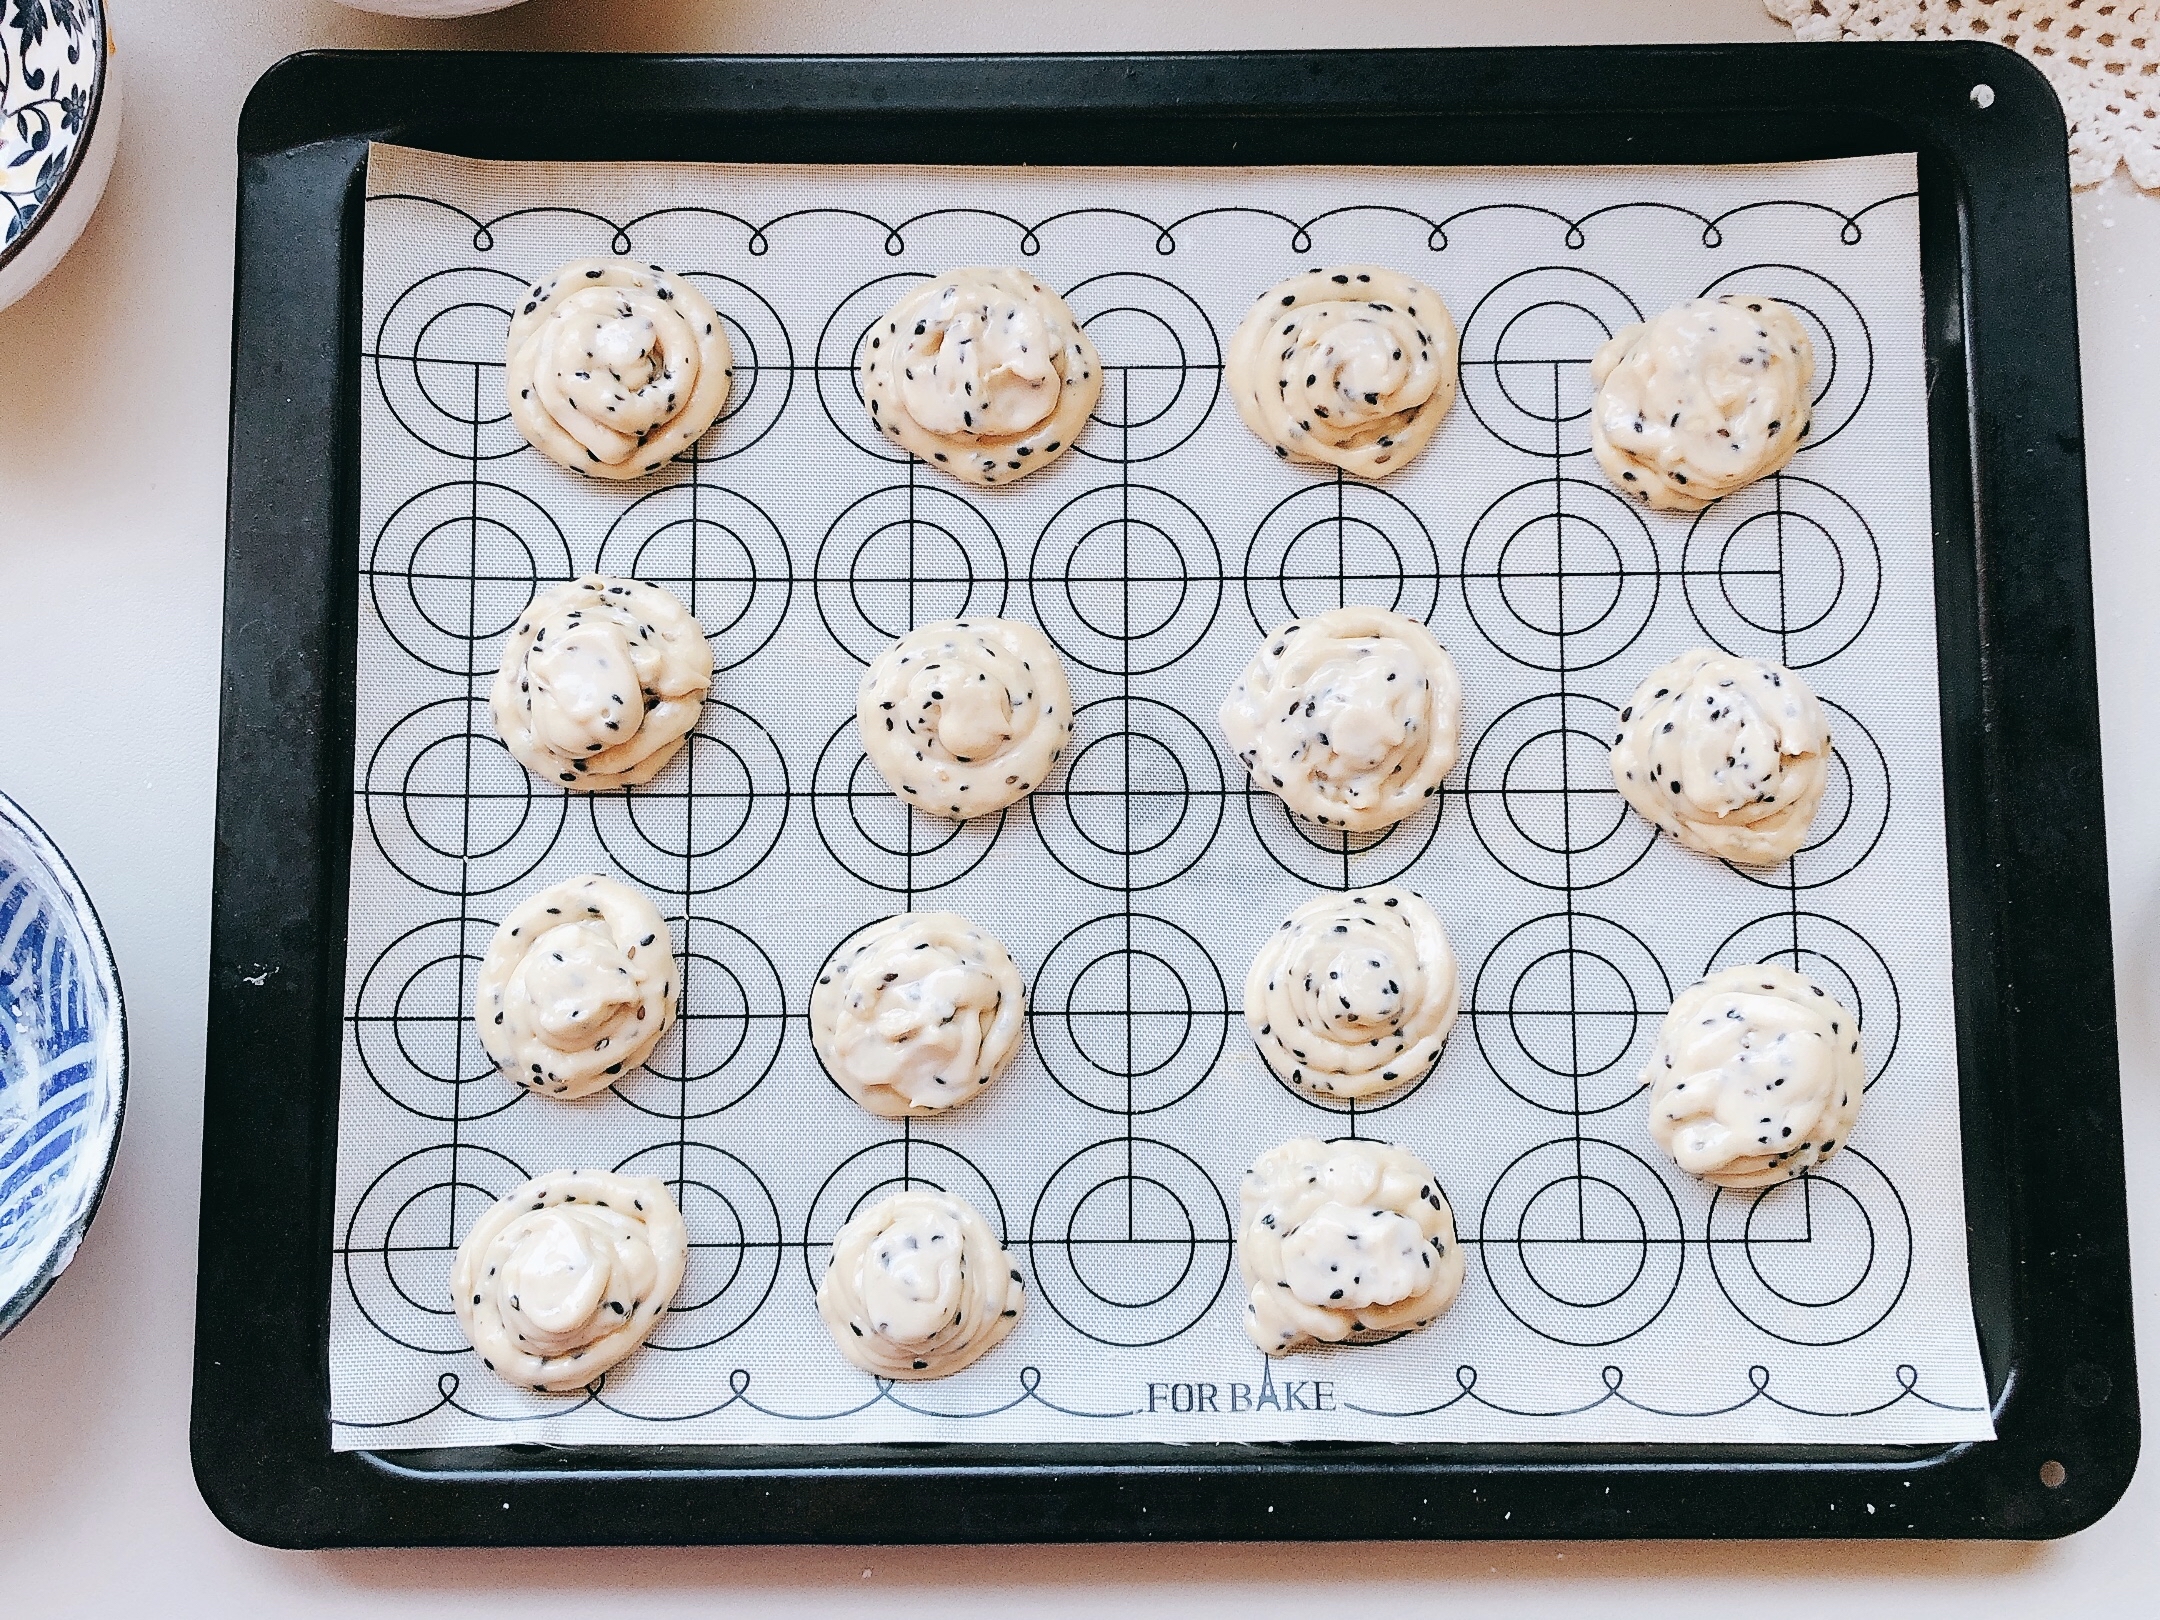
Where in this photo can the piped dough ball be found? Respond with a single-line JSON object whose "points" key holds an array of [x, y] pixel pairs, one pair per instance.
{"points": [[616, 367], [601, 680], [567, 1275], [917, 1013], [965, 716], [1351, 718], [1730, 755], [1701, 401], [1352, 367], [1354, 994], [578, 984], [1757, 1077], [918, 1287], [1337, 1239], [983, 373]]}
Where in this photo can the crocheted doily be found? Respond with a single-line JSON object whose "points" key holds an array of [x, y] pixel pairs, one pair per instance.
{"points": [[2102, 56]]}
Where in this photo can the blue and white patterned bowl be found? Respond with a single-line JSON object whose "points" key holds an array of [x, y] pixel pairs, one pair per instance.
{"points": [[63, 1063], [59, 126]]}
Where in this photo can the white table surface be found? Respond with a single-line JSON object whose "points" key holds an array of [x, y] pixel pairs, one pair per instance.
{"points": [[113, 385]]}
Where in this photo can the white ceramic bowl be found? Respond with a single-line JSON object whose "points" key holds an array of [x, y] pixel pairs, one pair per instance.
{"points": [[59, 127], [430, 8]]}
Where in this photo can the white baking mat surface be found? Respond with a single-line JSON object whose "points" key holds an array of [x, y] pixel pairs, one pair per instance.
{"points": [[1609, 1297]]}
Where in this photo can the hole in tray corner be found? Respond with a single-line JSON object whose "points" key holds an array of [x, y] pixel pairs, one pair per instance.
{"points": [[2052, 1474], [1983, 96]]}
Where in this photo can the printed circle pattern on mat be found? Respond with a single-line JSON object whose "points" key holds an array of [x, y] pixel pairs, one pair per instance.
{"points": [[1562, 1007], [1582, 1242], [715, 552], [1334, 544], [453, 567], [1162, 365], [1129, 1013], [1819, 1260], [710, 818], [735, 1241], [448, 807], [1139, 799], [880, 838], [905, 555], [1560, 575], [1786, 569], [1540, 794], [1526, 350], [1125, 580], [1131, 1242]]}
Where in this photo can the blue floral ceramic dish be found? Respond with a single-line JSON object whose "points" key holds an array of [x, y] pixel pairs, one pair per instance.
{"points": [[59, 116], [63, 1063]]}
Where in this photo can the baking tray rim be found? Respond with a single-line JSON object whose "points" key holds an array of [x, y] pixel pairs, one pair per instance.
{"points": [[2008, 487]]}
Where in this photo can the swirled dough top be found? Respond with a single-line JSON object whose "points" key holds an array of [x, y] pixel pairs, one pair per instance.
{"points": [[601, 680], [569, 1274], [616, 367], [965, 716], [1757, 1076], [1702, 400], [1730, 755], [984, 373], [917, 1013], [1353, 367], [1351, 717], [578, 984], [918, 1287], [1341, 1238], [1354, 993]]}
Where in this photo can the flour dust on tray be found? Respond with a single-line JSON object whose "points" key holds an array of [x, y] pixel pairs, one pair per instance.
{"points": [[616, 368], [1343, 1240], [568, 1274]]}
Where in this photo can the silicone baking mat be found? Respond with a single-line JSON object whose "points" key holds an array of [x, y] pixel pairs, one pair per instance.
{"points": [[1609, 1297]]}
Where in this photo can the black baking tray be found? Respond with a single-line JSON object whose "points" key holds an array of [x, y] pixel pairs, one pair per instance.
{"points": [[2035, 1009]]}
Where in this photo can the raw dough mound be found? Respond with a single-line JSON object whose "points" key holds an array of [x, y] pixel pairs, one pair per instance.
{"points": [[600, 682], [1703, 400], [985, 374], [578, 985], [965, 716], [917, 1013], [568, 1275], [1352, 367], [1730, 755], [1757, 1077], [1353, 994], [1351, 718], [918, 1287], [616, 367], [1341, 1238]]}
